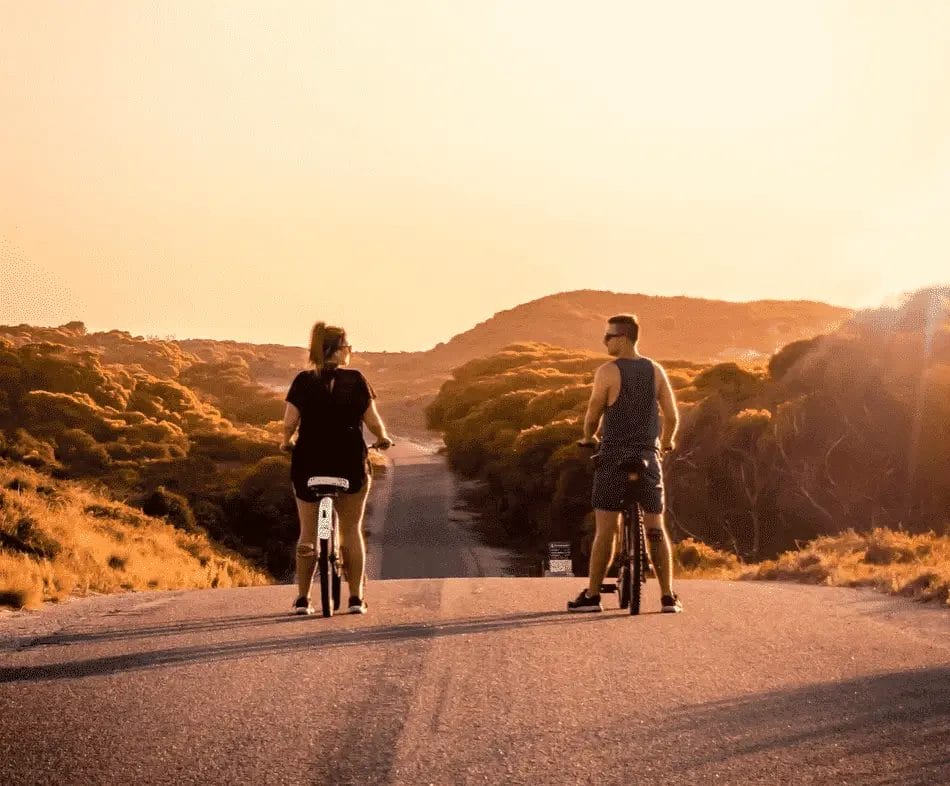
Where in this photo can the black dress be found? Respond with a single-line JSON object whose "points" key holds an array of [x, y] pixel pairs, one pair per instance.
{"points": [[330, 440]]}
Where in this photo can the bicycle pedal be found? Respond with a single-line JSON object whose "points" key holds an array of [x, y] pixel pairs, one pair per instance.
{"points": [[608, 588]]}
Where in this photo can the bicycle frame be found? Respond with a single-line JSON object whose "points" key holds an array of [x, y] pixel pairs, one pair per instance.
{"points": [[329, 559], [329, 563], [632, 556], [326, 519]]}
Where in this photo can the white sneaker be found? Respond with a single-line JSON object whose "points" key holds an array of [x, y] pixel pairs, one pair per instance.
{"points": [[302, 606]]}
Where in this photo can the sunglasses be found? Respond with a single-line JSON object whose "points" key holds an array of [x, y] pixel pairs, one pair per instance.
{"points": [[608, 336]]}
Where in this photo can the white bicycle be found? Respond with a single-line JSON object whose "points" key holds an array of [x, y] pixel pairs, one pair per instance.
{"points": [[329, 559]]}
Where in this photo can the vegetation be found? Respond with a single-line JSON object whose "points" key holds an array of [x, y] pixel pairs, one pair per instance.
{"points": [[694, 328], [192, 441], [917, 566], [57, 537], [846, 431]]}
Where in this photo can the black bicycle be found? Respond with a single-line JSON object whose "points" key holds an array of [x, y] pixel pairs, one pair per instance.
{"points": [[632, 561]]}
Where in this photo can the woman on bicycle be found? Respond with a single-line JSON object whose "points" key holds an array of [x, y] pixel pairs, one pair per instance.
{"points": [[329, 405]]}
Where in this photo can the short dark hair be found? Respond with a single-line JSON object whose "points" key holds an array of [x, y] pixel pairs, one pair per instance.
{"points": [[628, 325]]}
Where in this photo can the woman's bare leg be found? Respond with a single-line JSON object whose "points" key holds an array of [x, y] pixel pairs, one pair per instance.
{"points": [[306, 547], [350, 508]]}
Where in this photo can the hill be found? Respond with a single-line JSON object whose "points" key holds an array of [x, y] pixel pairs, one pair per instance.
{"points": [[693, 329], [684, 328], [849, 429]]}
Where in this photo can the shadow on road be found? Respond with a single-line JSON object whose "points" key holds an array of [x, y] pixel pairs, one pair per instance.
{"points": [[169, 629], [861, 721], [312, 639]]}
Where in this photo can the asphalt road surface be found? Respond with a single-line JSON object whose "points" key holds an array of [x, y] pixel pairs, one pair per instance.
{"points": [[476, 680], [416, 526]]}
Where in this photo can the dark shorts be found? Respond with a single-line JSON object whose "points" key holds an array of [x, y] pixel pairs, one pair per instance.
{"points": [[611, 485], [302, 470]]}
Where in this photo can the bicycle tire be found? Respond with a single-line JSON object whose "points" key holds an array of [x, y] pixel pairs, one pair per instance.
{"points": [[623, 575], [335, 581], [323, 568], [336, 567], [636, 584]]}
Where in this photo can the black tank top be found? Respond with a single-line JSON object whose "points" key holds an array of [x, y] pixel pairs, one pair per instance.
{"points": [[633, 421]]}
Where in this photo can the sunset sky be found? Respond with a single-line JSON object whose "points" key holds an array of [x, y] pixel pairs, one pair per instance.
{"points": [[407, 169]]}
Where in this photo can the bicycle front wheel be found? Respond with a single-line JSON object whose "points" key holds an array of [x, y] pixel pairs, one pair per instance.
{"points": [[325, 570], [335, 580]]}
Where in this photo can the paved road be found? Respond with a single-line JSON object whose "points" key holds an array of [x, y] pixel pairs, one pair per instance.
{"points": [[417, 527], [477, 680]]}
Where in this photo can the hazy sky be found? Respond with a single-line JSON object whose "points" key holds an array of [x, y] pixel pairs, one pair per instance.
{"points": [[406, 169]]}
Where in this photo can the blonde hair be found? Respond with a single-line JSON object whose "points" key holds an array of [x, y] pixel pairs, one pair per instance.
{"points": [[325, 340]]}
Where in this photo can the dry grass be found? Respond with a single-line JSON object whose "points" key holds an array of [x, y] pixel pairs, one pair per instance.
{"points": [[695, 560], [59, 539], [917, 566], [377, 461]]}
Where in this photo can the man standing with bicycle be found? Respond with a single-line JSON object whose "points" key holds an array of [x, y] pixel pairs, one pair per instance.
{"points": [[629, 395]]}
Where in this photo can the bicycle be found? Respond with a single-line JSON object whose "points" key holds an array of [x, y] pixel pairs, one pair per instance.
{"points": [[329, 559], [632, 559], [633, 556]]}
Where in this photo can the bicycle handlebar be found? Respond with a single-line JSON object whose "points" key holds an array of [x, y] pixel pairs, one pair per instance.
{"points": [[382, 444]]}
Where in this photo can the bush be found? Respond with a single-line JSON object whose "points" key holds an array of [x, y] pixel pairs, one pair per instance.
{"points": [[23, 534], [172, 507], [696, 557]]}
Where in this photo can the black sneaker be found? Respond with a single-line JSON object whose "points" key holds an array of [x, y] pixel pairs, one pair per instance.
{"points": [[302, 606], [671, 604], [357, 605], [585, 602]]}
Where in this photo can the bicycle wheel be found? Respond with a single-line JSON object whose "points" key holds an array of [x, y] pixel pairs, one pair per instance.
{"points": [[623, 575], [336, 573], [636, 583], [324, 569]]}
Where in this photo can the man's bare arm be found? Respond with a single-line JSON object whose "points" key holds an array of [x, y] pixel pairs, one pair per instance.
{"points": [[291, 421], [671, 419], [597, 403]]}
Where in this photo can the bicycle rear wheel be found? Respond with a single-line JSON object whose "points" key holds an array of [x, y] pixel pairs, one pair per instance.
{"points": [[624, 556], [636, 563], [325, 570]]}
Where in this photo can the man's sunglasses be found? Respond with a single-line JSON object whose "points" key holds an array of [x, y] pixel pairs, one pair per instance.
{"points": [[608, 336]]}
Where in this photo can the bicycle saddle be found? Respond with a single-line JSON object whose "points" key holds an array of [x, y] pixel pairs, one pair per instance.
{"points": [[324, 485], [634, 466]]}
